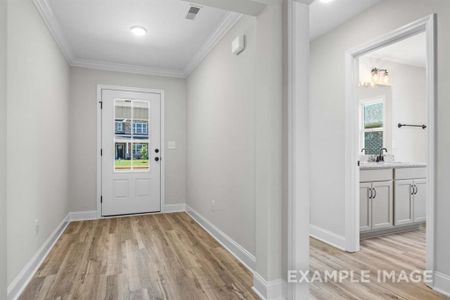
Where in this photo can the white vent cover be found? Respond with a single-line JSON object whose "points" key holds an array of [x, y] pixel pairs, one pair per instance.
{"points": [[193, 12]]}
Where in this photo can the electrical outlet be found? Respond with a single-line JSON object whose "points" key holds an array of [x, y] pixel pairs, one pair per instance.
{"points": [[36, 227]]}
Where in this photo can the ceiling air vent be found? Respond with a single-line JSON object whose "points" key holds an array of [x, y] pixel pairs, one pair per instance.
{"points": [[193, 12]]}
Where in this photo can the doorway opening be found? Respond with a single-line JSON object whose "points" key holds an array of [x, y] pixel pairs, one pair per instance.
{"points": [[390, 137]]}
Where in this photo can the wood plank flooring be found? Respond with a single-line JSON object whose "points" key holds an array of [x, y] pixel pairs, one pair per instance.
{"points": [[169, 256], [405, 251], [164, 256]]}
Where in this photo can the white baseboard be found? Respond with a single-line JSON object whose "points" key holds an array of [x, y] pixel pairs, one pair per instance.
{"points": [[17, 286], [441, 283], [83, 215], [328, 237], [174, 208], [241, 254], [269, 290]]}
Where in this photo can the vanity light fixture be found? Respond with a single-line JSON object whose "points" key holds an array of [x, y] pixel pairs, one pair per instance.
{"points": [[380, 76], [138, 30]]}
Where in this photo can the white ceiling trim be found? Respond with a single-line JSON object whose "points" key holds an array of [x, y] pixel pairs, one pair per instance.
{"points": [[55, 30], [229, 21], [126, 68], [50, 20]]}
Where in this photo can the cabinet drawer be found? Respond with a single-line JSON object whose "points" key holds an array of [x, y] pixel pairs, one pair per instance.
{"points": [[375, 175], [410, 173]]}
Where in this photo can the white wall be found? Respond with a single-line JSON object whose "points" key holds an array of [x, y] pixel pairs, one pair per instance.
{"points": [[83, 132], [235, 140], [37, 134], [2, 149], [408, 105], [221, 137], [328, 112], [269, 141]]}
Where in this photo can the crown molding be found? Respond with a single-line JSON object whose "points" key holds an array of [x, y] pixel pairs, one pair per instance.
{"points": [[126, 68], [53, 26], [50, 20], [229, 21]]}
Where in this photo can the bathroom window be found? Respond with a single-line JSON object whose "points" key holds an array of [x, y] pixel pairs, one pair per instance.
{"points": [[372, 116]]}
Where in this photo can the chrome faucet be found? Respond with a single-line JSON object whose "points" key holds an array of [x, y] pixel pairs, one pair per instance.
{"points": [[364, 150], [380, 158]]}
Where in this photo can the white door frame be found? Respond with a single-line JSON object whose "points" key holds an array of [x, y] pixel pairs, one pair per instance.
{"points": [[297, 41], [102, 87], [427, 26]]}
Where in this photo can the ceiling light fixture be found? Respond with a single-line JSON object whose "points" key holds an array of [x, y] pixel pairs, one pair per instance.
{"points": [[138, 30], [326, 1]]}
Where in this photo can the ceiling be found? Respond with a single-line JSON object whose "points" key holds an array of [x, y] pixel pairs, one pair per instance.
{"points": [[326, 16], [97, 32], [410, 51]]}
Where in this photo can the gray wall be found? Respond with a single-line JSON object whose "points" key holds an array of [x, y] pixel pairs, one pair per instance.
{"points": [[2, 149], [235, 142], [328, 112], [269, 145], [37, 134], [83, 132], [221, 137]]}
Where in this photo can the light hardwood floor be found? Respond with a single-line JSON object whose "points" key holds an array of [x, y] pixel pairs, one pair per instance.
{"points": [[405, 251], [164, 256], [169, 256]]}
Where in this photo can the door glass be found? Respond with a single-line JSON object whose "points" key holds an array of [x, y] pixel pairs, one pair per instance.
{"points": [[131, 135], [122, 135]]}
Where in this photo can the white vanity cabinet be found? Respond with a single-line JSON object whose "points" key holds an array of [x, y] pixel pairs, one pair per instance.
{"points": [[420, 201], [382, 205], [365, 214], [404, 202], [410, 195], [376, 200], [392, 198]]}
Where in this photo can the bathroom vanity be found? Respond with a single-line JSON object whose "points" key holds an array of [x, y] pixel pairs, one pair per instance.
{"points": [[392, 197]]}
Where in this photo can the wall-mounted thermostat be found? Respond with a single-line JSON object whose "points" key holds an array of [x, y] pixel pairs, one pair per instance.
{"points": [[238, 45]]}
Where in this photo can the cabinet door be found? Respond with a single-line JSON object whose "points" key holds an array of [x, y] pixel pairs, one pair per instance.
{"points": [[382, 205], [364, 206], [403, 202], [420, 200]]}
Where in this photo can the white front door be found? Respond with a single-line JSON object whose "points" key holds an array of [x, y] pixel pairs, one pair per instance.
{"points": [[131, 152]]}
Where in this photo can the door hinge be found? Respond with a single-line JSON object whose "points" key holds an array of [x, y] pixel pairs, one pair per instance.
{"points": [[101, 104], [101, 152], [359, 163], [101, 199]]}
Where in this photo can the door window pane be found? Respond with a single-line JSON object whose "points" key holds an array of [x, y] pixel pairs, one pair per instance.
{"points": [[131, 136], [122, 135], [140, 156]]}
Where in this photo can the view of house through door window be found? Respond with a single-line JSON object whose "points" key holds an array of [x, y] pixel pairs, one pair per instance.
{"points": [[131, 139]]}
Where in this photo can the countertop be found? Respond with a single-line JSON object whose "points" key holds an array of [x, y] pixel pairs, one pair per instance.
{"points": [[390, 165]]}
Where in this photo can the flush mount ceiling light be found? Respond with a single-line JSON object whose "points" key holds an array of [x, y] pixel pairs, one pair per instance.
{"points": [[326, 1], [138, 30]]}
